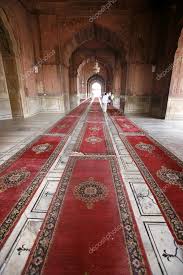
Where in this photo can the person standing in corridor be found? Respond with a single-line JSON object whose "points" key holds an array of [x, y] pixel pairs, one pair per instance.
{"points": [[105, 100]]}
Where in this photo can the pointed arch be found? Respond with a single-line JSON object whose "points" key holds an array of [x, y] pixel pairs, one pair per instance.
{"points": [[10, 70], [98, 33], [93, 79]]}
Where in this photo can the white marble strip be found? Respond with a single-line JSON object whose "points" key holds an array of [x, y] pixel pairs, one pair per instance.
{"points": [[37, 208], [146, 212]]}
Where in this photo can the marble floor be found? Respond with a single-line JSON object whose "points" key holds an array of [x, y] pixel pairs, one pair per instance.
{"points": [[164, 255], [168, 132], [16, 133]]}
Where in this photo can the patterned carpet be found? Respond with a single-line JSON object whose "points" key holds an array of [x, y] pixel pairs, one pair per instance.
{"points": [[90, 226], [22, 174], [162, 171], [94, 139]]}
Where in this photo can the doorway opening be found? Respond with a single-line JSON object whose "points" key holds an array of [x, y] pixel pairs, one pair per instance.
{"points": [[10, 99], [96, 89]]}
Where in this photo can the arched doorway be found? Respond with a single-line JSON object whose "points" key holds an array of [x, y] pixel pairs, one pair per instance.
{"points": [[96, 89], [87, 70], [96, 86], [10, 100], [86, 45], [175, 98]]}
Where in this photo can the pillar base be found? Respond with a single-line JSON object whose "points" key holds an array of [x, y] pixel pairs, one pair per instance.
{"points": [[174, 108]]}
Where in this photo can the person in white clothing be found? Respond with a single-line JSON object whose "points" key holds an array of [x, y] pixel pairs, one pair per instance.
{"points": [[112, 99], [105, 100]]}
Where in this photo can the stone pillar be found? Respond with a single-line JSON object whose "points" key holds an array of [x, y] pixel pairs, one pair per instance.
{"points": [[65, 86], [78, 88], [5, 108], [175, 99], [117, 84], [74, 96], [12, 81]]}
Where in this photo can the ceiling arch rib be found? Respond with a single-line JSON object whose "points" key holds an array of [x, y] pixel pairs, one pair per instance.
{"points": [[94, 32]]}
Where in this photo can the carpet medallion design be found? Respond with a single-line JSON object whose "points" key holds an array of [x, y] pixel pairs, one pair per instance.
{"points": [[94, 128], [65, 126], [145, 147], [90, 201], [127, 126], [61, 126], [69, 229], [39, 156], [13, 179], [171, 176], [124, 125], [41, 148], [24, 181], [90, 192], [93, 140], [162, 171]]}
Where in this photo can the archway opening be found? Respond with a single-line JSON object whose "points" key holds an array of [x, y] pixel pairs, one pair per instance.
{"points": [[88, 47], [10, 100], [96, 86], [96, 89], [175, 98]]}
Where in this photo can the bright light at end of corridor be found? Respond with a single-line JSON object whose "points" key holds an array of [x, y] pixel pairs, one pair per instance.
{"points": [[96, 89]]}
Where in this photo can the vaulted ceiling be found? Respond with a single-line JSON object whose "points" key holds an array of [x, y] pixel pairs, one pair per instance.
{"points": [[79, 7], [87, 7]]}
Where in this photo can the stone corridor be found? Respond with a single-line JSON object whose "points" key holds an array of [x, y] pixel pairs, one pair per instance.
{"points": [[164, 255]]}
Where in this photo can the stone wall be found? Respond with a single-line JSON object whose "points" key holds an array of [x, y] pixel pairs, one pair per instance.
{"points": [[129, 47]]}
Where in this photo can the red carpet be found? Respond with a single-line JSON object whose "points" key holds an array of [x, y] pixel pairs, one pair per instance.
{"points": [[94, 139], [163, 173], [113, 112], [95, 107], [65, 126], [95, 117], [123, 124], [95, 100], [20, 177], [78, 111], [68, 123], [95, 113], [90, 228], [22, 174]]}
